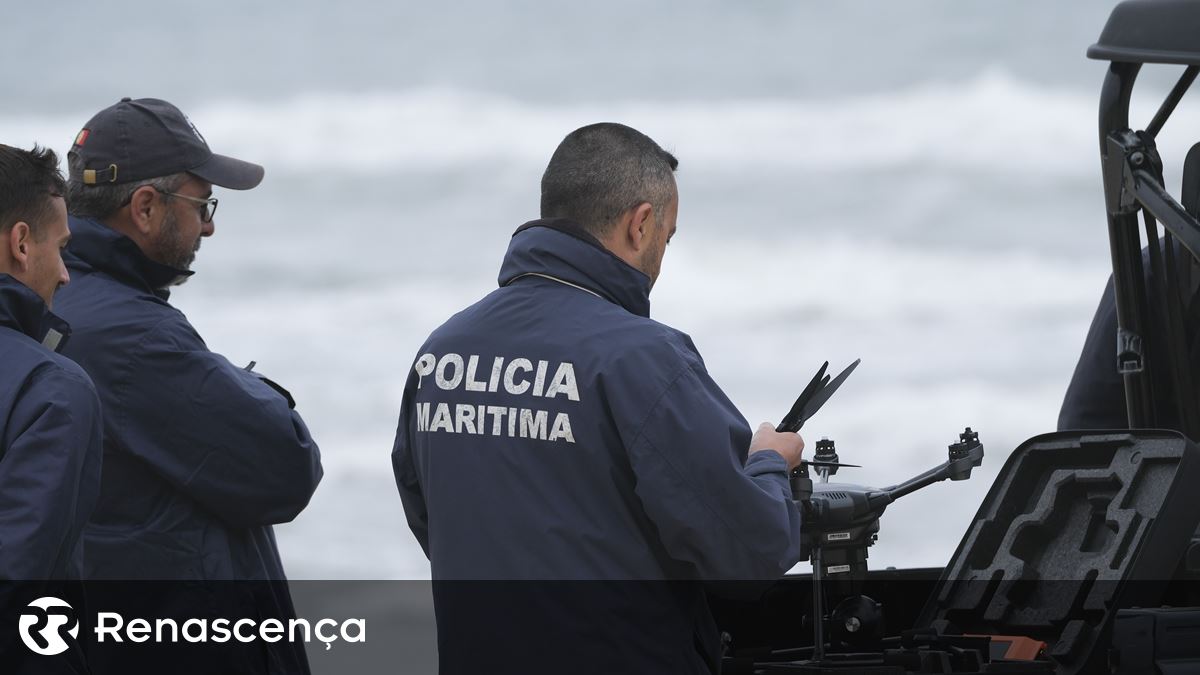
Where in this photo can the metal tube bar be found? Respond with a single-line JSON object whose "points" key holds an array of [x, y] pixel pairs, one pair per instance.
{"points": [[1181, 372], [818, 605], [1168, 106], [1155, 199], [1156, 300], [1124, 240]]}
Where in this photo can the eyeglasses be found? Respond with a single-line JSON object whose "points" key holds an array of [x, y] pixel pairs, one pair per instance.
{"points": [[206, 212]]}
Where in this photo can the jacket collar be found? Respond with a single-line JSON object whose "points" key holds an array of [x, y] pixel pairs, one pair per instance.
{"points": [[563, 250], [22, 310], [111, 252]]}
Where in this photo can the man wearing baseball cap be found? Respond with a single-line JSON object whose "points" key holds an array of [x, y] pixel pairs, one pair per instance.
{"points": [[201, 457]]}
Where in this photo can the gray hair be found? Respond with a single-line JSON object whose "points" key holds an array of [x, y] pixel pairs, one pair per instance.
{"points": [[101, 201], [601, 171]]}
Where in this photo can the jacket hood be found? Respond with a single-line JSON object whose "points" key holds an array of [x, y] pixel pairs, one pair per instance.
{"points": [[562, 250], [111, 252], [23, 311]]}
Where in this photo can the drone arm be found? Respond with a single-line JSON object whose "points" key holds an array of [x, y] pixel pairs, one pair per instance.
{"points": [[926, 479], [969, 456]]}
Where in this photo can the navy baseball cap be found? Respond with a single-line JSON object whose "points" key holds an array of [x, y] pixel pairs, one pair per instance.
{"points": [[139, 139]]}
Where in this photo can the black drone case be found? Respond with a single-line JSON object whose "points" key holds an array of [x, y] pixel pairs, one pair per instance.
{"points": [[1076, 526]]}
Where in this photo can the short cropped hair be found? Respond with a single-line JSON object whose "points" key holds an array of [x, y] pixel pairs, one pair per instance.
{"points": [[29, 183], [101, 201], [601, 171]]}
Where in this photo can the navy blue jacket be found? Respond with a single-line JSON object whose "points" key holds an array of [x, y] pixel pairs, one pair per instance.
{"points": [[1095, 398], [50, 431], [201, 457], [553, 431]]}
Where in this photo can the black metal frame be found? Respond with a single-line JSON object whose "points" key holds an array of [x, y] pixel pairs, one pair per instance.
{"points": [[1133, 184]]}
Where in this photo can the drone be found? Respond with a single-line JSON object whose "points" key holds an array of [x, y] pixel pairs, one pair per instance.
{"points": [[841, 520]]}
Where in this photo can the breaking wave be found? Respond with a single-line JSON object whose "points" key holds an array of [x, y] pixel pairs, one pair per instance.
{"points": [[991, 122]]}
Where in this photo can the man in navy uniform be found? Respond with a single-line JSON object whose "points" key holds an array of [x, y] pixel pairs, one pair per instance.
{"points": [[50, 424], [202, 457], [555, 438]]}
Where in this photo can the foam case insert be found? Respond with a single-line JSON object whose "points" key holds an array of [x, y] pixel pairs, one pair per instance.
{"points": [[1076, 526]]}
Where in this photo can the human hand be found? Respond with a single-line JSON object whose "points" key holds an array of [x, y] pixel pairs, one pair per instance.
{"points": [[789, 445]]}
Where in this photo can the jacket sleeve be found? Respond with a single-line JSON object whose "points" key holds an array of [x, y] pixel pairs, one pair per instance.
{"points": [[217, 432], [730, 521], [48, 474], [1095, 398], [405, 470]]}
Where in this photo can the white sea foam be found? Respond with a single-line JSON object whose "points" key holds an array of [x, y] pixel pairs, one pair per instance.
{"points": [[991, 122]]}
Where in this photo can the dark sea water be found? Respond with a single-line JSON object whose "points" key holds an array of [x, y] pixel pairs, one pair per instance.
{"points": [[916, 184]]}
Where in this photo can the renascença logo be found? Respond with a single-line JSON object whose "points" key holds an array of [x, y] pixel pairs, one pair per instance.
{"points": [[45, 623]]}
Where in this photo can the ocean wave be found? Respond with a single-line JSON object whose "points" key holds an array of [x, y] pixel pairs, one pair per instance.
{"points": [[992, 122]]}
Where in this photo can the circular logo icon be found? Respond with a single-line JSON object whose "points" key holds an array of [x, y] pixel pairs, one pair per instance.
{"points": [[45, 625]]}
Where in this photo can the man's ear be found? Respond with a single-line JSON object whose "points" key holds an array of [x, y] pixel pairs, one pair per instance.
{"points": [[19, 241], [143, 207], [640, 226]]}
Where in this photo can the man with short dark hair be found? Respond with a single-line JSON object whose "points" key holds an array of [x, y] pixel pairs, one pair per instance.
{"points": [[50, 425], [555, 436], [201, 457]]}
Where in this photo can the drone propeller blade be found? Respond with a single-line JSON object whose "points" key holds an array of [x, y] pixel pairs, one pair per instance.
{"points": [[793, 417], [819, 399], [819, 463]]}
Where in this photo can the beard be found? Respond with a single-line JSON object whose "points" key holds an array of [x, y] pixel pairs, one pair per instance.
{"points": [[651, 260], [172, 248]]}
